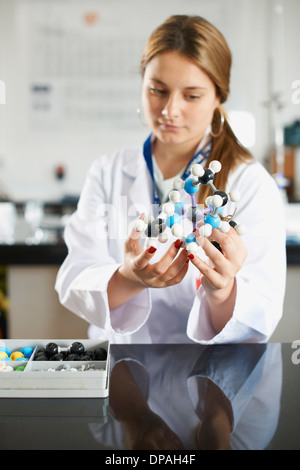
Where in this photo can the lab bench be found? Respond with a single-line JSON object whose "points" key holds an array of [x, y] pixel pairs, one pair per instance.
{"points": [[170, 393]]}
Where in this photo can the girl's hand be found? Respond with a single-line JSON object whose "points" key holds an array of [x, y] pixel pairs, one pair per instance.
{"points": [[218, 275], [139, 270], [221, 271]]}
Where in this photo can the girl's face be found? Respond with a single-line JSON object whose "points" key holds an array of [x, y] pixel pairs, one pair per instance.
{"points": [[179, 99]]}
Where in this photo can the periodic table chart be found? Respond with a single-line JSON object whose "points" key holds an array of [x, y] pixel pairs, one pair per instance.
{"points": [[84, 59], [82, 73]]}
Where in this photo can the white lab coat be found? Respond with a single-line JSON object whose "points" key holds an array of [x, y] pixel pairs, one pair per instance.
{"points": [[117, 189]]}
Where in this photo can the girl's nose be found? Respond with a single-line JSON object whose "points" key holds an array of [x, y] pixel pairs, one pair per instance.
{"points": [[171, 109]]}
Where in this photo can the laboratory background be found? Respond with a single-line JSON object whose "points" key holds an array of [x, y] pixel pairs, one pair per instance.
{"points": [[69, 90]]}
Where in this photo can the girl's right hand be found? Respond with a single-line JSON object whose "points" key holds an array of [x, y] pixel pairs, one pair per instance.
{"points": [[139, 270]]}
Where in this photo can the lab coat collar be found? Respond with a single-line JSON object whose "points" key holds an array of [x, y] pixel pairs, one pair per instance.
{"points": [[140, 190], [133, 166]]}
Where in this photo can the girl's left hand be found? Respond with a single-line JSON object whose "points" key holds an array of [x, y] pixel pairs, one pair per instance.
{"points": [[220, 273]]}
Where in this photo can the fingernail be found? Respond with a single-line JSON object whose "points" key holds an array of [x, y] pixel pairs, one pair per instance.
{"points": [[152, 249], [191, 256], [178, 244]]}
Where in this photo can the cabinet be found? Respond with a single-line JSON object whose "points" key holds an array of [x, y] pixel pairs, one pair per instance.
{"points": [[35, 311]]}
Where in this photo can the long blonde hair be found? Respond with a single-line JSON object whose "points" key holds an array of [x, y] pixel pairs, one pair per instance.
{"points": [[199, 40]]}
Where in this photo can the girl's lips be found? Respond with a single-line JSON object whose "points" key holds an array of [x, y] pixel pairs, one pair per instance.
{"points": [[169, 127]]}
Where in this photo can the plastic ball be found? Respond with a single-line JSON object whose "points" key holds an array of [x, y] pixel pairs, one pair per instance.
{"points": [[77, 348], [20, 369], [213, 221], [21, 359], [85, 358], [173, 219], [51, 349], [100, 354], [215, 166], [178, 183], [208, 201], [139, 225], [15, 355], [168, 208], [148, 219], [3, 348], [197, 170], [27, 351], [190, 238], [224, 227], [90, 354], [41, 357], [192, 247], [3, 354], [234, 195], [151, 242], [223, 196], [216, 201], [177, 230], [174, 196], [72, 357], [163, 237], [189, 187], [40, 352], [6, 359], [57, 357], [179, 207], [205, 230], [208, 176], [240, 229]]}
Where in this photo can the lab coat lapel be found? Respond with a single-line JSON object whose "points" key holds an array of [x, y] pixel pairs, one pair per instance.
{"points": [[140, 189]]}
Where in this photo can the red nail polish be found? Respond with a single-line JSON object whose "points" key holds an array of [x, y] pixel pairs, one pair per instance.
{"points": [[178, 244], [152, 249], [191, 256]]}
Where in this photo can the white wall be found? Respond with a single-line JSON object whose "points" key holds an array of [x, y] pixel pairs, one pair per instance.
{"points": [[30, 149]]}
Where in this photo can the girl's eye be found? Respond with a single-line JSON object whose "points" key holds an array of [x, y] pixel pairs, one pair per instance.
{"points": [[157, 91], [193, 97]]}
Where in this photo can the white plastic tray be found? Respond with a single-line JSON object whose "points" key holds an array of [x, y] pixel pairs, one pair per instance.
{"points": [[37, 381]]}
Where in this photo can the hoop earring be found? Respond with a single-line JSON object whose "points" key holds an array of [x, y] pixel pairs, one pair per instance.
{"points": [[139, 113], [222, 120]]}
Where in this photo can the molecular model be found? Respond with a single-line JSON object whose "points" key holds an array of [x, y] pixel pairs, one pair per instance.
{"points": [[174, 211]]}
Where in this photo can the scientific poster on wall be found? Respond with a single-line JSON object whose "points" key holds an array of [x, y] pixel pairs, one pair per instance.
{"points": [[84, 60], [78, 61]]}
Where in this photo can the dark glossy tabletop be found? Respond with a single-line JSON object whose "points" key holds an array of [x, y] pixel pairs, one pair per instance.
{"points": [[185, 397]]}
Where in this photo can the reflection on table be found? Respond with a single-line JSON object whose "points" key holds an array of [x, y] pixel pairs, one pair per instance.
{"points": [[193, 397], [166, 397]]}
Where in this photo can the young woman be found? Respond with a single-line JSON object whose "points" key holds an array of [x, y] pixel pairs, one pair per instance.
{"points": [[129, 293]]}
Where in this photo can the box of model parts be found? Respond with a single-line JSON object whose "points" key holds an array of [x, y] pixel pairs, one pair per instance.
{"points": [[54, 368]]}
